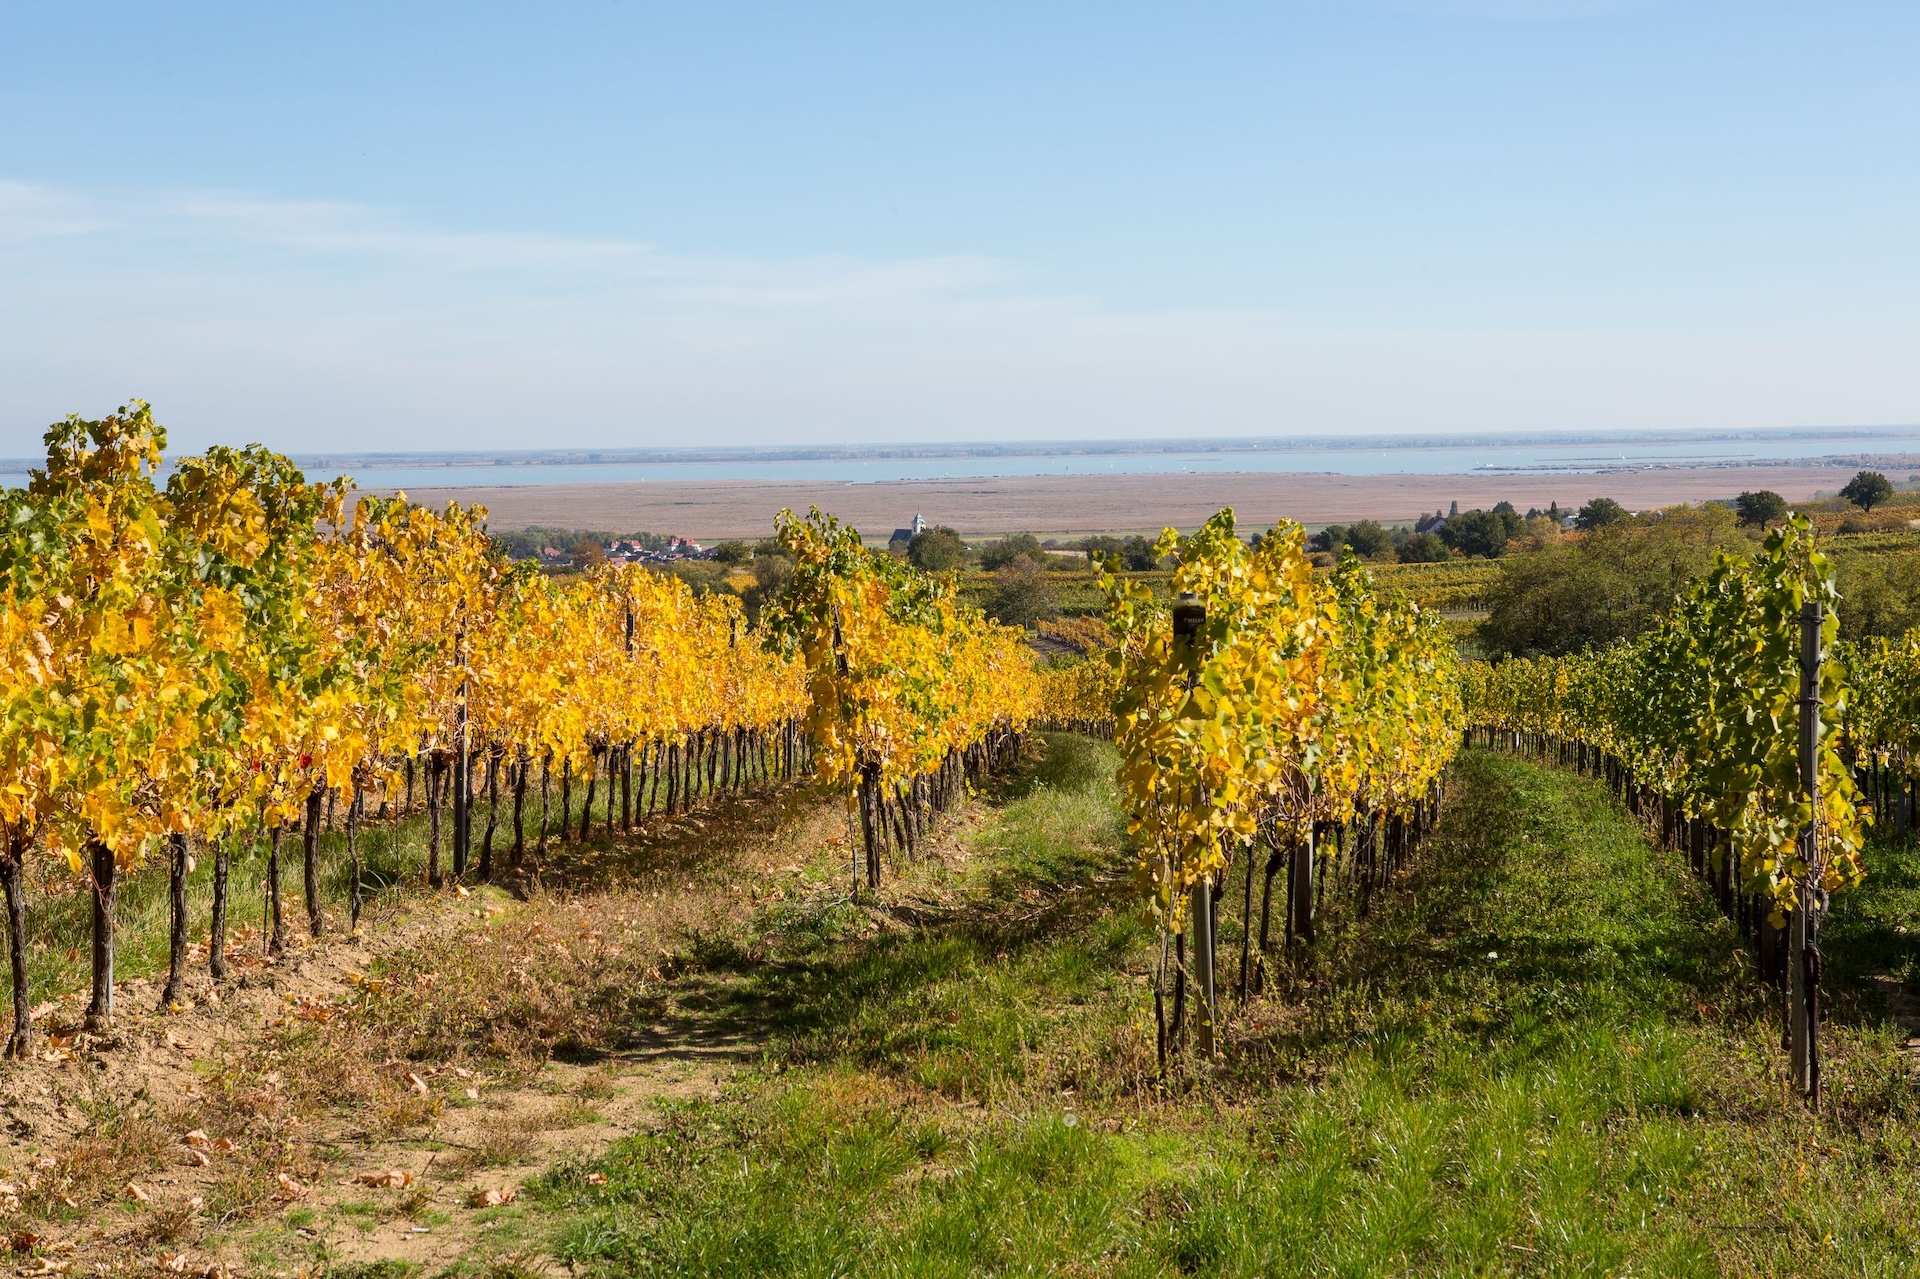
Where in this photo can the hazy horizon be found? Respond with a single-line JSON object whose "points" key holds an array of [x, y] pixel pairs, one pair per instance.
{"points": [[1894, 434]]}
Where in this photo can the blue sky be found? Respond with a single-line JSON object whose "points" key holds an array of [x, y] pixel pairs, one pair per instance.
{"points": [[414, 225]]}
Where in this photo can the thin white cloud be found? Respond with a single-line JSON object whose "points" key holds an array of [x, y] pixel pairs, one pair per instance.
{"points": [[355, 231], [334, 228], [322, 326], [362, 236], [30, 211]]}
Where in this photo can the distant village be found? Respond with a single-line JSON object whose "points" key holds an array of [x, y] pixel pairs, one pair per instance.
{"points": [[624, 551], [577, 548], [1429, 538]]}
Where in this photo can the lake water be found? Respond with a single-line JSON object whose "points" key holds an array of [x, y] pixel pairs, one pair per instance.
{"points": [[1358, 458]]}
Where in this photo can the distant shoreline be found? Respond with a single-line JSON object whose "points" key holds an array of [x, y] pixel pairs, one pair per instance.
{"points": [[1068, 449], [1078, 505], [346, 460]]}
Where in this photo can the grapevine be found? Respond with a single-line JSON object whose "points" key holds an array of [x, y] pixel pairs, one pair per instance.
{"points": [[1298, 703], [1702, 710], [910, 692], [1882, 725], [223, 657], [1698, 723]]}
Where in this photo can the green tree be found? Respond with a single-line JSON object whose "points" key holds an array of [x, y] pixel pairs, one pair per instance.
{"points": [[1008, 549], [1879, 594], [1759, 509], [1022, 595], [1369, 538], [937, 550], [1102, 548], [1600, 512], [733, 552], [1330, 538], [1609, 585], [1867, 490], [1481, 533], [1422, 548], [1139, 555]]}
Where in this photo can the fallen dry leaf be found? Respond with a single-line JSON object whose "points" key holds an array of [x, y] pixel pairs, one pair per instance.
{"points": [[45, 1266], [198, 1137], [416, 1083], [198, 1158], [491, 1197], [176, 1043], [394, 1178], [290, 1189], [174, 1261], [596, 1179], [226, 1145], [139, 1195], [22, 1240]]}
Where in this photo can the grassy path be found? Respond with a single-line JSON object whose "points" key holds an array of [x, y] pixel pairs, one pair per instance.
{"points": [[1538, 1057], [464, 1040]]}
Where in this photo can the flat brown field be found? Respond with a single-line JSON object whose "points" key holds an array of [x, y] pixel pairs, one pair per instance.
{"points": [[1054, 506]]}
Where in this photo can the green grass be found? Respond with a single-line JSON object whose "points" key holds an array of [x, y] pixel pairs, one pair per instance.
{"points": [[1540, 1055], [1875, 928]]}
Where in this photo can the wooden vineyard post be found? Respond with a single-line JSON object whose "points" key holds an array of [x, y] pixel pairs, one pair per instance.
{"points": [[1189, 615], [310, 853], [1803, 955], [462, 783], [1202, 908], [100, 1007], [872, 815], [1300, 888], [180, 858]]}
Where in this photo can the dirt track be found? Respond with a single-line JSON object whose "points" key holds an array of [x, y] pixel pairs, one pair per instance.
{"points": [[1061, 505]]}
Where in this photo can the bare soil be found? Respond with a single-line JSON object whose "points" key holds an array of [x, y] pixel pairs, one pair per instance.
{"points": [[272, 1128], [1079, 505]]}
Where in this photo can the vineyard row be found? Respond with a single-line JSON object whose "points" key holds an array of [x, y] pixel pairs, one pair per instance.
{"points": [[223, 658], [1731, 724]]}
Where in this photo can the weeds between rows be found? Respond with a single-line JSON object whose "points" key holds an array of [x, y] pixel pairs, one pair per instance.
{"points": [[480, 988], [394, 858], [1538, 1056]]}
